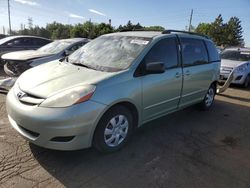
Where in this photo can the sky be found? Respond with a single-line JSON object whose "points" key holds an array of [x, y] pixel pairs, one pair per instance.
{"points": [[167, 13]]}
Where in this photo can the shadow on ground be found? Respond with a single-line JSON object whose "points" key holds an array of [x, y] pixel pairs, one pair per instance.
{"points": [[185, 149]]}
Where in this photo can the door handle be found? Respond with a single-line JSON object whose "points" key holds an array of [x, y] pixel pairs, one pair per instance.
{"points": [[187, 73], [177, 75]]}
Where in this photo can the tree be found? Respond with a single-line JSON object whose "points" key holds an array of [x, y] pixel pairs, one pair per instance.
{"points": [[154, 28], [30, 23], [223, 34], [234, 32], [204, 28], [104, 28], [87, 29], [79, 31], [130, 27]]}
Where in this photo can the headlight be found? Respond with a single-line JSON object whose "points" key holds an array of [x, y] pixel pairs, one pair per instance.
{"points": [[69, 97], [241, 68]]}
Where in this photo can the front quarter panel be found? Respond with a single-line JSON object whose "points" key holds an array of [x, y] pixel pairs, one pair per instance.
{"points": [[120, 88]]}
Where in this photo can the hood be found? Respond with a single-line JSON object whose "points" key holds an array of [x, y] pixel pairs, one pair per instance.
{"points": [[50, 78], [24, 55], [231, 63]]}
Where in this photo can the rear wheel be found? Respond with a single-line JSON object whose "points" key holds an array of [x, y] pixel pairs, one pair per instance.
{"points": [[208, 100], [113, 130]]}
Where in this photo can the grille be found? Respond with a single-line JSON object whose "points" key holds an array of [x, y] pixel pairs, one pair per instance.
{"points": [[29, 99], [226, 70]]}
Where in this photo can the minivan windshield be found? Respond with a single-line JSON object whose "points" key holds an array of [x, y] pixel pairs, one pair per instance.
{"points": [[236, 55], [55, 47], [109, 53]]}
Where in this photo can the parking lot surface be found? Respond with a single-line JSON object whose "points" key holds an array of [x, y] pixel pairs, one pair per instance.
{"points": [[189, 148]]}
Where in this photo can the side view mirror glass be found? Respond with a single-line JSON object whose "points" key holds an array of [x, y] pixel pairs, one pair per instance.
{"points": [[155, 68]]}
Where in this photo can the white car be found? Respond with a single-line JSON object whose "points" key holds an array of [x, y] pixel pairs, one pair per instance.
{"points": [[237, 59]]}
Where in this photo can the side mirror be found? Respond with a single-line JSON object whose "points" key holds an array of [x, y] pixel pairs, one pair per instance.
{"points": [[67, 53], [155, 68]]}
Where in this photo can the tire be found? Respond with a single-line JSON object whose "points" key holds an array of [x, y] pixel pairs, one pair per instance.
{"points": [[113, 130], [208, 100], [247, 82]]}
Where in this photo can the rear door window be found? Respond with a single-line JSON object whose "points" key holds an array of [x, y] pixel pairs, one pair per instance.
{"points": [[39, 42], [194, 52], [15, 42]]}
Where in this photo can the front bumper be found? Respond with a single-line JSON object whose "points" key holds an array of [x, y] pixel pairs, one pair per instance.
{"points": [[15, 69], [239, 78], [68, 128]]}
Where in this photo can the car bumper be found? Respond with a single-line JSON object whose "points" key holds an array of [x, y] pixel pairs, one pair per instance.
{"points": [[68, 128]]}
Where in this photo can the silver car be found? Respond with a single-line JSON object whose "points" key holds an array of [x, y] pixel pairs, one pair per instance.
{"points": [[18, 62], [111, 86], [237, 59]]}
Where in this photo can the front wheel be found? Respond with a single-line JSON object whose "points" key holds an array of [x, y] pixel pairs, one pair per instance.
{"points": [[113, 130], [208, 100]]}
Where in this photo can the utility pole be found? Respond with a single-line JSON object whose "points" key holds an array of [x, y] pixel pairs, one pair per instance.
{"points": [[9, 15], [90, 28], [190, 20]]}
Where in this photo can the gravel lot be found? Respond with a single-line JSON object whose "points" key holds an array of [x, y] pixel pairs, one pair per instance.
{"points": [[185, 149]]}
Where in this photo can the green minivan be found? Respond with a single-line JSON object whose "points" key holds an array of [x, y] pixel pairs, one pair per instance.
{"points": [[112, 85]]}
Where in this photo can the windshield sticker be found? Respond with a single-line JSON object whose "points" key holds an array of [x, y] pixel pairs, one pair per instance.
{"points": [[245, 53], [140, 42]]}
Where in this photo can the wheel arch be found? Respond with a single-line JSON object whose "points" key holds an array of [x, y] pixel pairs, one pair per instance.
{"points": [[126, 103]]}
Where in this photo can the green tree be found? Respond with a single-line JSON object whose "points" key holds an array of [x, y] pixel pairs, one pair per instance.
{"points": [[234, 32], [79, 31], [104, 28], [223, 34], [154, 28], [204, 28]]}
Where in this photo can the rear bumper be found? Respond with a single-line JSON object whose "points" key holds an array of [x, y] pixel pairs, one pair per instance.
{"points": [[69, 128]]}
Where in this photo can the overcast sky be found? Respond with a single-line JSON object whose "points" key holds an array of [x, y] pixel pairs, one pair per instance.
{"points": [[167, 13]]}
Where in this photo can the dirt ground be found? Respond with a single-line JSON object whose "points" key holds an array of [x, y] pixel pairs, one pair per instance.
{"points": [[185, 149]]}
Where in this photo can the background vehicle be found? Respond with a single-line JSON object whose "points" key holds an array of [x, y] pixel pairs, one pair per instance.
{"points": [[237, 59], [111, 86], [21, 42], [2, 36], [17, 62]]}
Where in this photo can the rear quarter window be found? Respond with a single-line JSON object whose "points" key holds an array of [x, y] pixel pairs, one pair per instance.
{"points": [[212, 52]]}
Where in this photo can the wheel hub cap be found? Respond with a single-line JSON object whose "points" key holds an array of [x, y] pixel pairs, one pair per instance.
{"points": [[209, 97], [116, 130]]}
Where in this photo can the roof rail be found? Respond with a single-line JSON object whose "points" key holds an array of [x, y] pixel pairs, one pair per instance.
{"points": [[187, 32]]}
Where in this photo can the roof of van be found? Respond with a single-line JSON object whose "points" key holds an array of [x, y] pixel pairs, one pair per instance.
{"points": [[152, 34]]}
